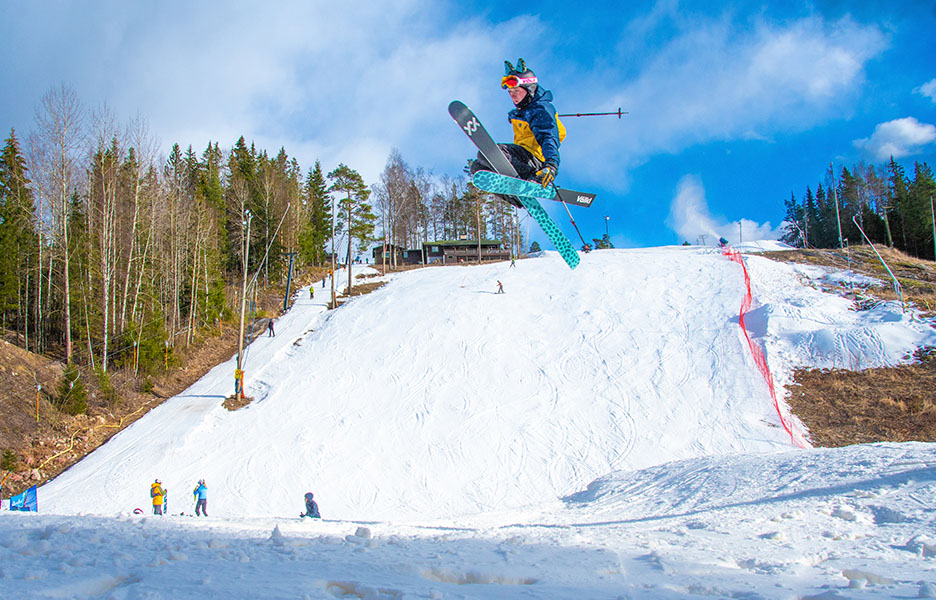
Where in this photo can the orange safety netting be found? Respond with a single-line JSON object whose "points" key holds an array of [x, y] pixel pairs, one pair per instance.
{"points": [[759, 359]]}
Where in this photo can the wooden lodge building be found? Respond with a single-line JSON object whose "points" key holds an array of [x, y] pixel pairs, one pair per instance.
{"points": [[457, 251], [442, 252], [403, 256]]}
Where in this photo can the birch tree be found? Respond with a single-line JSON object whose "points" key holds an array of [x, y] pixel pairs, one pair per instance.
{"points": [[53, 152]]}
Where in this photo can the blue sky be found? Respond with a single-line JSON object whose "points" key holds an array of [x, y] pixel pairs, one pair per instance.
{"points": [[732, 106]]}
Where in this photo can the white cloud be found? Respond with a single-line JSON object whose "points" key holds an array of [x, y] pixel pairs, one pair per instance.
{"points": [[719, 80], [690, 218], [897, 138], [928, 89], [330, 81]]}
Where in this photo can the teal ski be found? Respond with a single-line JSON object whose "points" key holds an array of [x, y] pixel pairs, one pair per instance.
{"points": [[528, 192]]}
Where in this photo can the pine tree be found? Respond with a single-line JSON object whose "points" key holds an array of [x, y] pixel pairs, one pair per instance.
{"points": [[73, 398], [899, 199], [602, 243], [354, 213], [921, 192], [18, 241], [792, 234], [317, 228]]}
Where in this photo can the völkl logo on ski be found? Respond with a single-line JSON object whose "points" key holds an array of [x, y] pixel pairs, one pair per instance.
{"points": [[472, 126]]}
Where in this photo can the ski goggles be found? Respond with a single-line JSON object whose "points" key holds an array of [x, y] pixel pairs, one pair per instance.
{"points": [[512, 81]]}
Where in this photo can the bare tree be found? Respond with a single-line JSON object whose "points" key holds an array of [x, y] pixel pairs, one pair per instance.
{"points": [[140, 159], [106, 159], [54, 146]]}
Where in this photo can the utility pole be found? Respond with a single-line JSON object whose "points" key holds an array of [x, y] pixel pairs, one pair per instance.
{"points": [[291, 256], [838, 219], [239, 373], [607, 218], [334, 298]]}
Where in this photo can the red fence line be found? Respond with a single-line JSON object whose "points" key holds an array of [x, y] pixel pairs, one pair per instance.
{"points": [[759, 359]]}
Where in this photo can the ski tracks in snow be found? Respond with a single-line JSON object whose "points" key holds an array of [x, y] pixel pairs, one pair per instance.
{"points": [[434, 397]]}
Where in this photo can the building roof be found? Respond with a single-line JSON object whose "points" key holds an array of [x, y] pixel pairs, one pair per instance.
{"points": [[463, 243]]}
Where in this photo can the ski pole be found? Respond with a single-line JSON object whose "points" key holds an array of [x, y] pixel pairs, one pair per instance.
{"points": [[600, 114], [573, 221]]}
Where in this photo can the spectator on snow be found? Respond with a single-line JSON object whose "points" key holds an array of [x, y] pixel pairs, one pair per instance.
{"points": [[201, 498], [157, 493], [270, 327], [311, 507]]}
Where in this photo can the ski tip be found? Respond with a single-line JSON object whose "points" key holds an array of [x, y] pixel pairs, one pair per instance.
{"points": [[457, 108]]}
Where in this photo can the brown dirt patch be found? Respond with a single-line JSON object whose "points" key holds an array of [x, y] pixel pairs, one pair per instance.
{"points": [[891, 404]]}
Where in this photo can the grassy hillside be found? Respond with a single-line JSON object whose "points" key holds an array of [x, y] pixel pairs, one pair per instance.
{"points": [[894, 404]]}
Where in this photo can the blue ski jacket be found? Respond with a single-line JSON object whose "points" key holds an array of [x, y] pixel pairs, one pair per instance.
{"points": [[201, 492], [537, 127]]}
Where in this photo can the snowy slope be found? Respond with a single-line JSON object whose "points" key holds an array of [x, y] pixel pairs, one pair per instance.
{"points": [[435, 397], [601, 432]]}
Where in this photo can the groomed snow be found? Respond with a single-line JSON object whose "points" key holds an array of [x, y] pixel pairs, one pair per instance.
{"points": [[597, 433]]}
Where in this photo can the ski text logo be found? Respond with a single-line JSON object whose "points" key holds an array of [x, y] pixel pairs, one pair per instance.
{"points": [[472, 126]]}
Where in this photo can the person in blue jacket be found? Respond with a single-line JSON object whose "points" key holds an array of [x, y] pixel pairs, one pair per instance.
{"points": [[537, 130], [201, 499], [311, 507]]}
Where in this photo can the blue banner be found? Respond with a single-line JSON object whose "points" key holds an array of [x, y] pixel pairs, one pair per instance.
{"points": [[25, 501]]}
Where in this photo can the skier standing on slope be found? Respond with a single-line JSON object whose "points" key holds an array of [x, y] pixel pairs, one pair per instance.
{"points": [[538, 132], [157, 493], [201, 498]]}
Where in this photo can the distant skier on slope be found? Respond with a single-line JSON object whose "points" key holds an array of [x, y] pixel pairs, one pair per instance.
{"points": [[538, 132], [312, 510]]}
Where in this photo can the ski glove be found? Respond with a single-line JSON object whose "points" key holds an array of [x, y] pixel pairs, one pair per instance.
{"points": [[547, 174]]}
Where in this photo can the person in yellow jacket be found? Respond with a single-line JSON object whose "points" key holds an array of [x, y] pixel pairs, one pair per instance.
{"points": [[158, 494]]}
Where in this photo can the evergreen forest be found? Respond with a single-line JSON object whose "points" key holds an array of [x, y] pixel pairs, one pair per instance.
{"points": [[891, 207]]}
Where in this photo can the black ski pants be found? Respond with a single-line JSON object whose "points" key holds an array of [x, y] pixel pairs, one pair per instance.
{"points": [[522, 160]]}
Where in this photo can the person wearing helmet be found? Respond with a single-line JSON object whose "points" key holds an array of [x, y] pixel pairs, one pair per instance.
{"points": [[201, 499], [538, 132], [312, 510], [157, 493]]}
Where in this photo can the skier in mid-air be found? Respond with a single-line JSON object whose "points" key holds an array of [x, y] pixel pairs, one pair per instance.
{"points": [[538, 132]]}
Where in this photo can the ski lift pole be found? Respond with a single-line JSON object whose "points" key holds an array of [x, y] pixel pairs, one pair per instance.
{"points": [[619, 112], [897, 288]]}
